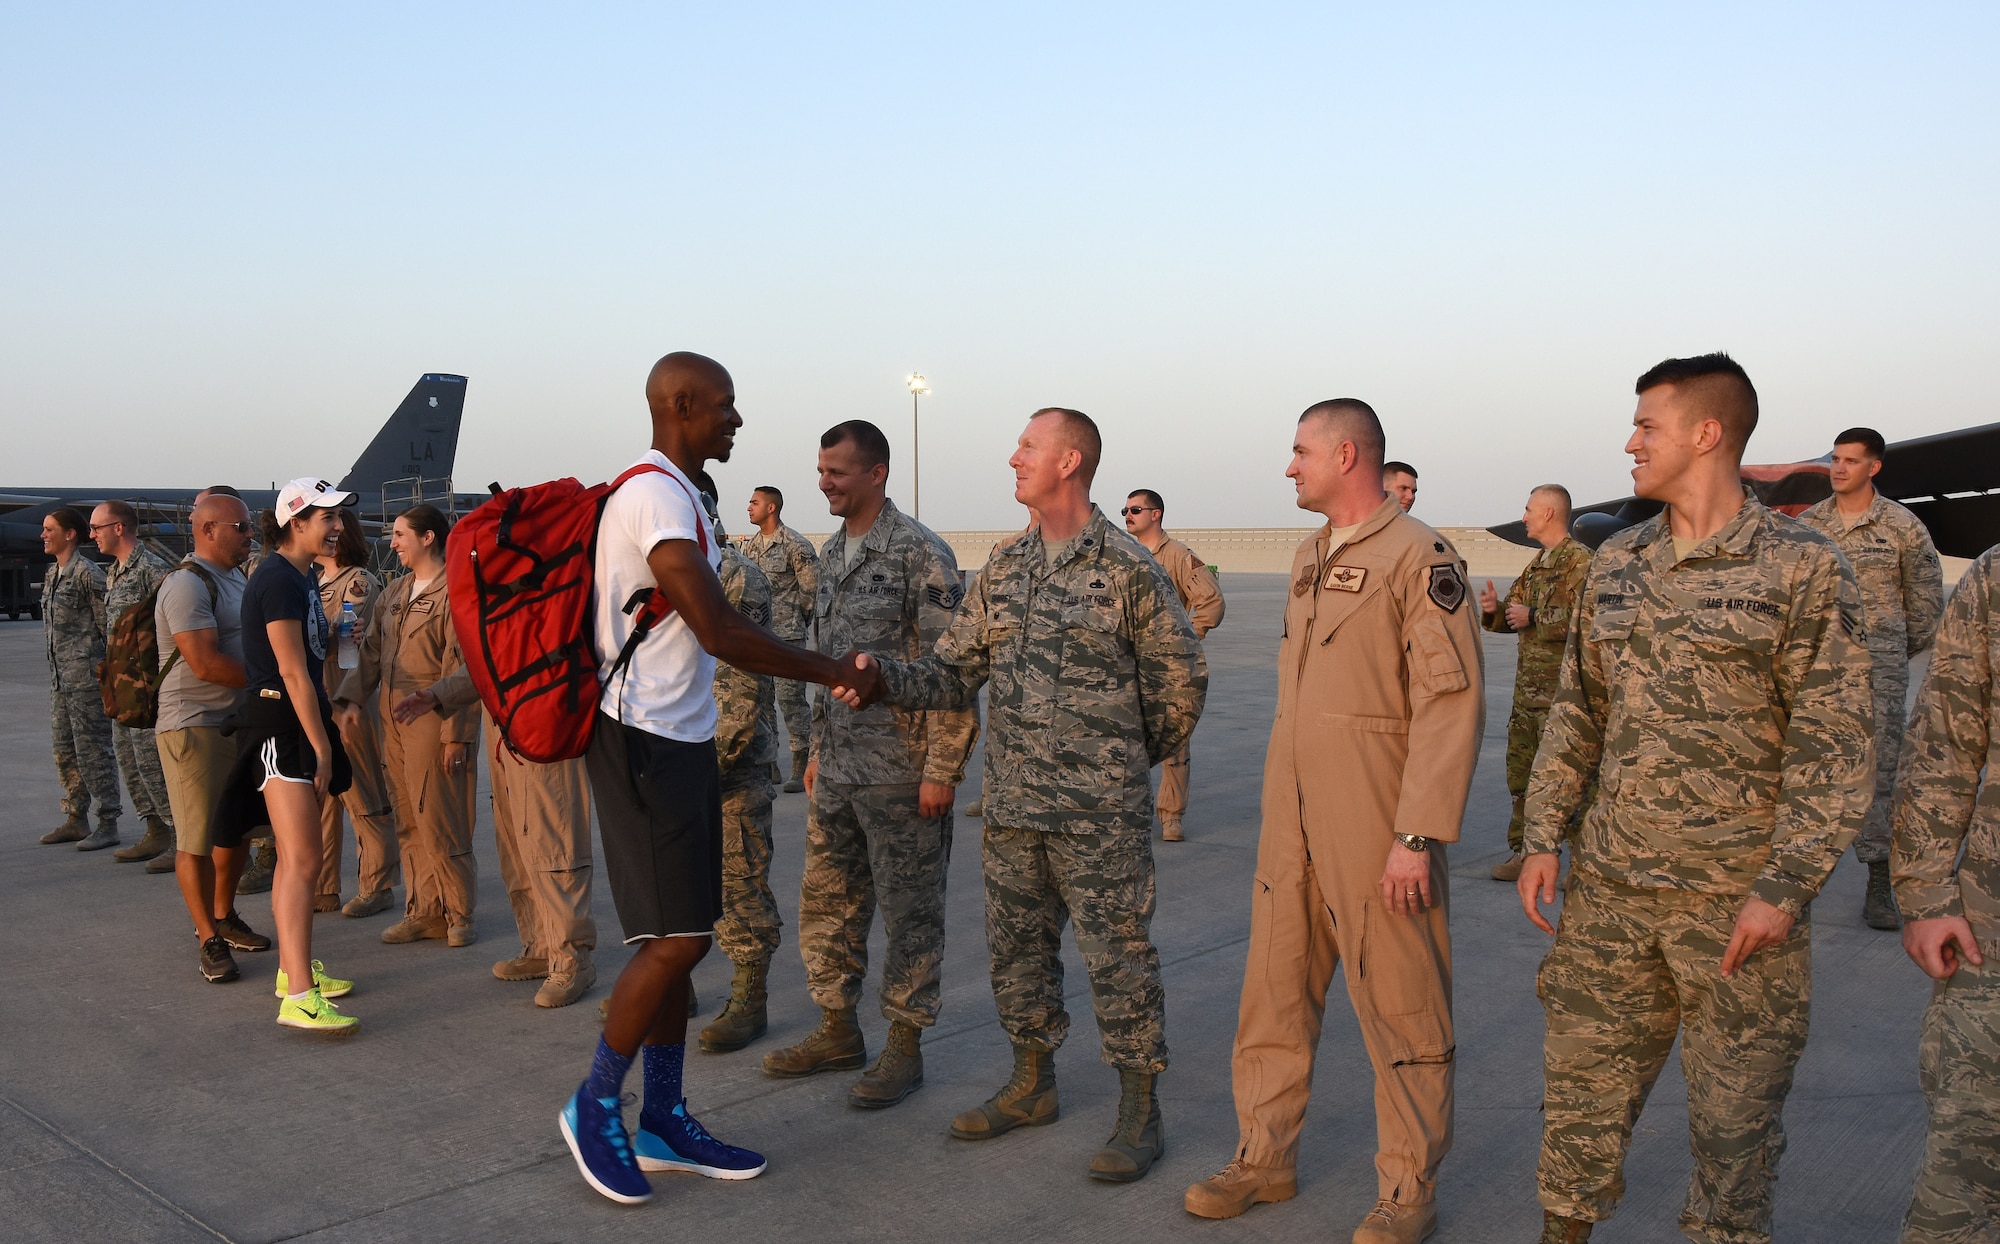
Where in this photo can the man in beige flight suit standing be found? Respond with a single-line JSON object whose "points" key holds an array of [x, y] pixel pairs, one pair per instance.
{"points": [[1902, 598], [1201, 596], [1381, 707]]}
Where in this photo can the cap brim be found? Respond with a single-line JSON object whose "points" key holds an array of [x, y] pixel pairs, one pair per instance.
{"points": [[332, 500]]}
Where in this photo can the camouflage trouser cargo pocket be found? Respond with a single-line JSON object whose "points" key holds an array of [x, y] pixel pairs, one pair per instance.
{"points": [[1957, 1197]]}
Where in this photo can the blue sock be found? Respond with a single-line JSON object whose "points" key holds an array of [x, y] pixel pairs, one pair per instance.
{"points": [[663, 1080], [607, 1071]]}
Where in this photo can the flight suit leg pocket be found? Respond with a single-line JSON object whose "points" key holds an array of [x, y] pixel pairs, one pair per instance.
{"points": [[1398, 995]]}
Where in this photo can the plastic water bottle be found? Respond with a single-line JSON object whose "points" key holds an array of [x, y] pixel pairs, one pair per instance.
{"points": [[350, 645]]}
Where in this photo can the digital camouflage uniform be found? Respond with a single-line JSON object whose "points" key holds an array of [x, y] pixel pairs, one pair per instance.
{"points": [[746, 742], [1096, 677], [1941, 807], [1902, 597], [1548, 587], [125, 584], [73, 623], [867, 844], [1201, 596], [1722, 699], [792, 568]]}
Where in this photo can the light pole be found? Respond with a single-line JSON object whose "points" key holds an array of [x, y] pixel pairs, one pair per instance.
{"points": [[918, 387]]}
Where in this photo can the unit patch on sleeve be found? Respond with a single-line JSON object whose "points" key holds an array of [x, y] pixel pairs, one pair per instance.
{"points": [[1447, 587]]}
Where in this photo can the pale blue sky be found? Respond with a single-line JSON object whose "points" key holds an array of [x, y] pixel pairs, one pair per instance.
{"points": [[230, 222]]}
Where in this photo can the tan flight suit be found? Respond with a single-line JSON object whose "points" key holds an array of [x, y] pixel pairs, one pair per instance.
{"points": [[410, 646], [541, 817], [375, 849], [1381, 707], [1201, 596]]}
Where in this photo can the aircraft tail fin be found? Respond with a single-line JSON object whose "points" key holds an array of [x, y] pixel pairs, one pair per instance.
{"points": [[419, 441]]}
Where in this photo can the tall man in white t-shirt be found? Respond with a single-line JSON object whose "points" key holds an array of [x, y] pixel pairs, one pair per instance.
{"points": [[654, 777]]}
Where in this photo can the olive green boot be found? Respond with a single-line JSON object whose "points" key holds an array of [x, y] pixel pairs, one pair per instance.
{"points": [[898, 1073], [158, 839], [73, 829], [1027, 1100], [1878, 908], [835, 1045], [256, 877], [1141, 1136], [743, 1019], [1559, 1230]]}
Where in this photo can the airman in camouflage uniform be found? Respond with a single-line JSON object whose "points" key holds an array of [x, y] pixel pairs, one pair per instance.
{"points": [[73, 625], [1902, 598], [789, 563], [1720, 695], [1941, 807], [127, 582], [746, 743], [1095, 677], [1547, 589], [868, 842]]}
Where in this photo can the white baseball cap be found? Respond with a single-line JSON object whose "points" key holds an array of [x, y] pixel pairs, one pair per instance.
{"points": [[303, 494]]}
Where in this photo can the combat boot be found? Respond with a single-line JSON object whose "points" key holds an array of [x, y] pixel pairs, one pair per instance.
{"points": [[976, 808], [161, 863], [157, 840], [1141, 1136], [898, 1073], [797, 782], [836, 1045], [256, 878], [743, 1017], [1170, 828], [1026, 1100], [1879, 908], [1509, 869], [1238, 1186], [1391, 1222], [75, 829], [1559, 1230], [105, 835]]}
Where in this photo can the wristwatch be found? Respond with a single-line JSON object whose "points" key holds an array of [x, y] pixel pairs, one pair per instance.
{"points": [[1414, 842]]}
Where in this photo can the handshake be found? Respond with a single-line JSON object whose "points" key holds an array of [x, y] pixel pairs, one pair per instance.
{"points": [[860, 681]]}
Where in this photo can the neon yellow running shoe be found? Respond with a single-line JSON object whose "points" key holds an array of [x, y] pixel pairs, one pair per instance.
{"points": [[315, 1014], [328, 986]]}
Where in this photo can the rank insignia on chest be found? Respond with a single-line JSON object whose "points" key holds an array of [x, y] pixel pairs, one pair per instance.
{"points": [[1447, 588], [1345, 578], [1304, 583], [947, 597]]}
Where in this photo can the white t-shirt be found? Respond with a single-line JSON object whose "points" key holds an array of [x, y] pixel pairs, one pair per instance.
{"points": [[668, 688]]}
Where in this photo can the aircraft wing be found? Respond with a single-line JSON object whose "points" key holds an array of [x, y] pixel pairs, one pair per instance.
{"points": [[1950, 481]]}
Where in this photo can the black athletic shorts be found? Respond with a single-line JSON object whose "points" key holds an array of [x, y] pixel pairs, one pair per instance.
{"points": [[659, 812], [274, 748]]}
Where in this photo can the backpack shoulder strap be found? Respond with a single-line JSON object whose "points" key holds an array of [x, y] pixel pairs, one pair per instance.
{"points": [[214, 594], [649, 468]]}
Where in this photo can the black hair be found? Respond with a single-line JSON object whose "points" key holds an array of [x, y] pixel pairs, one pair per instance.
{"points": [[1868, 438], [777, 498], [867, 439], [1152, 498], [1399, 468], [1717, 388]]}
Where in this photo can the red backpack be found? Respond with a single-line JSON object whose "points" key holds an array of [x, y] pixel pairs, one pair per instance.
{"points": [[521, 571]]}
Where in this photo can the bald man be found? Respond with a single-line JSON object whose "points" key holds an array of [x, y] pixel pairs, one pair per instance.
{"points": [[655, 779]]}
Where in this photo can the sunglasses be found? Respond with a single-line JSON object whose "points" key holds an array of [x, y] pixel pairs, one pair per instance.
{"points": [[241, 528], [1135, 509]]}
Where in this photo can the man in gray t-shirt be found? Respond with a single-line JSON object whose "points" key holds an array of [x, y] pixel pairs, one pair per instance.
{"points": [[188, 602], [198, 614]]}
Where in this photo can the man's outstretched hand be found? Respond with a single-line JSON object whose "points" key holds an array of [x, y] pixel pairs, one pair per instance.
{"points": [[860, 681]]}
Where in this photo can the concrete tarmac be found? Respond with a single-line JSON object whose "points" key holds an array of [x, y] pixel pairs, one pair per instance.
{"points": [[138, 1102]]}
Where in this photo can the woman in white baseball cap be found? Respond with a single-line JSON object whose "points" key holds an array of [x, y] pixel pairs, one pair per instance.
{"points": [[291, 757]]}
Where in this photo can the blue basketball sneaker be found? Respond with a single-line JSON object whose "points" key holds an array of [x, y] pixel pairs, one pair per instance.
{"points": [[595, 1131], [680, 1143]]}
